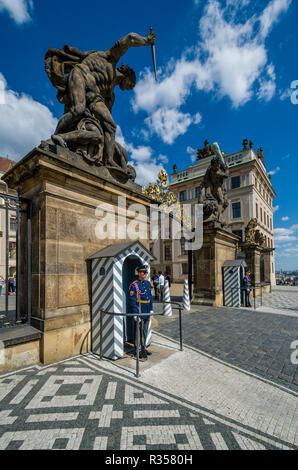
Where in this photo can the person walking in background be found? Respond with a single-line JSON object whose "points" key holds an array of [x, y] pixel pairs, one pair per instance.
{"points": [[2, 282], [168, 278], [14, 284], [247, 288], [155, 285], [10, 285], [161, 285]]}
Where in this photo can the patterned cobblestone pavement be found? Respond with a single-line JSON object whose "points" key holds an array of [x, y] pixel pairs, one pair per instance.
{"points": [[233, 387], [78, 404], [258, 342], [282, 298]]}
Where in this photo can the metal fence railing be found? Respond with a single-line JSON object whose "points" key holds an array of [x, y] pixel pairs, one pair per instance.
{"points": [[175, 306], [257, 300], [15, 267]]}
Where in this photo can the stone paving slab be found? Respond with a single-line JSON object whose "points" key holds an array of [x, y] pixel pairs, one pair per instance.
{"points": [[84, 403], [283, 298], [258, 342], [225, 393]]}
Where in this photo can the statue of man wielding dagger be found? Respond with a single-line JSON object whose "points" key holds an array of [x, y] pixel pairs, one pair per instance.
{"points": [[85, 82]]}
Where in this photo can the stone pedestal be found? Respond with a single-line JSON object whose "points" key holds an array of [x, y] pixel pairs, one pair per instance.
{"points": [[268, 256], [255, 256], [64, 192], [253, 260], [219, 246]]}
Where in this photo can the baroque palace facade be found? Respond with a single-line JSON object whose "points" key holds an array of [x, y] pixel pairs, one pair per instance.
{"points": [[250, 195]]}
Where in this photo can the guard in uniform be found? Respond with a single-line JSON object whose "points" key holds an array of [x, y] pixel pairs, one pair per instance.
{"points": [[140, 301], [247, 288]]}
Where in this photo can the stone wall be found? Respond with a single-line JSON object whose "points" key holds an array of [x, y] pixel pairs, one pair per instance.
{"points": [[64, 199]]}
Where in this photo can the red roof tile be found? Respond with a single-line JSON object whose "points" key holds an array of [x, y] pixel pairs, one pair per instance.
{"points": [[6, 164]]}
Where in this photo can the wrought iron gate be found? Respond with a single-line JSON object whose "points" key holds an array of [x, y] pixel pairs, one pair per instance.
{"points": [[15, 261], [262, 269]]}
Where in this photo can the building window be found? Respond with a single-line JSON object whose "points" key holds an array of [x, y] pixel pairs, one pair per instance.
{"points": [[12, 250], [257, 211], [169, 270], [267, 220], [197, 192], [236, 210], [182, 196], [168, 253], [182, 242], [261, 213], [270, 223], [238, 233], [13, 224], [235, 182], [184, 268]]}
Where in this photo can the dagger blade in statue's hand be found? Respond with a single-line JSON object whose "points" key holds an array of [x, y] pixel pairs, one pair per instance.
{"points": [[153, 54]]}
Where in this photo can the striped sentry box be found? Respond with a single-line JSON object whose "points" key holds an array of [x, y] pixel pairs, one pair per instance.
{"points": [[232, 287], [108, 295]]}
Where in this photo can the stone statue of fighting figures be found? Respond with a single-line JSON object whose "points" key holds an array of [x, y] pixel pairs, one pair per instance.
{"points": [[85, 82], [213, 195]]}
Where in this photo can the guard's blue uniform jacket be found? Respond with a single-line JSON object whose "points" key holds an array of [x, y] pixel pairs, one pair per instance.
{"points": [[247, 282], [140, 294]]}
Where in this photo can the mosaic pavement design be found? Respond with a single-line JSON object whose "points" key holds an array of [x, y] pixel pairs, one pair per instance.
{"points": [[76, 404], [282, 298]]}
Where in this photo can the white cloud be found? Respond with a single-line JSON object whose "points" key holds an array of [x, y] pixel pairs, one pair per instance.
{"points": [[284, 238], [273, 172], [282, 235], [267, 85], [193, 153], [275, 209], [147, 167], [163, 158], [292, 250], [170, 123], [271, 15], [286, 94], [284, 219], [140, 153], [24, 122], [230, 59], [18, 10], [283, 231], [147, 172]]}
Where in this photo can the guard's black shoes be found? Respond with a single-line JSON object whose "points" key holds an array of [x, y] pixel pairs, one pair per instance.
{"points": [[149, 353], [143, 354]]}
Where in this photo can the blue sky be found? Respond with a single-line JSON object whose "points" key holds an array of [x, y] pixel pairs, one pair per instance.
{"points": [[225, 70]]}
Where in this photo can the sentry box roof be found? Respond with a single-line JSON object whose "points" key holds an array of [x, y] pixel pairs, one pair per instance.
{"points": [[235, 263], [112, 251]]}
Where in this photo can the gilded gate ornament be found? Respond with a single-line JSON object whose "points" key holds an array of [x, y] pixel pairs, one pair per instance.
{"points": [[168, 202]]}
